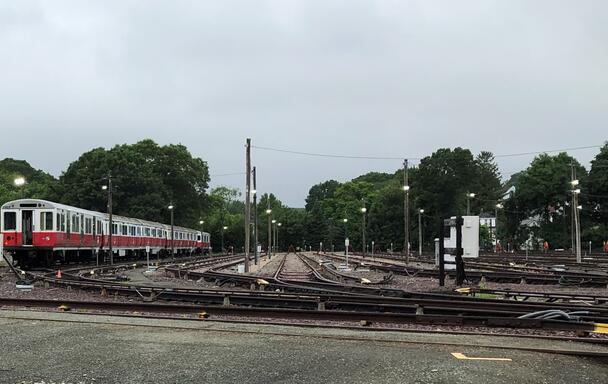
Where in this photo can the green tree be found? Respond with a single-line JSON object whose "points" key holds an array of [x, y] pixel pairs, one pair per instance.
{"points": [[146, 178], [542, 198], [595, 189], [39, 185]]}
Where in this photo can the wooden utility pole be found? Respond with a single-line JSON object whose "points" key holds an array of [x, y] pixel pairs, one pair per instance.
{"points": [[247, 203], [255, 219]]}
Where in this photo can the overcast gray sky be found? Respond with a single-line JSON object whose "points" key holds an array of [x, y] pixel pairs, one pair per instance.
{"points": [[378, 78]]}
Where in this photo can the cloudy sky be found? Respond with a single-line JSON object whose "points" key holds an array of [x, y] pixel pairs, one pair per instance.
{"points": [[363, 78]]}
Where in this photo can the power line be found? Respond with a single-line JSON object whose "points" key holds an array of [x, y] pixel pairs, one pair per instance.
{"points": [[329, 155], [332, 155], [228, 174], [548, 151]]}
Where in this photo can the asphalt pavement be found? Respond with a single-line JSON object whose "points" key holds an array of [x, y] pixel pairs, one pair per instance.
{"points": [[39, 347]]}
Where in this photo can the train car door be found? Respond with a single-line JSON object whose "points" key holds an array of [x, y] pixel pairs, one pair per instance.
{"points": [[27, 227]]}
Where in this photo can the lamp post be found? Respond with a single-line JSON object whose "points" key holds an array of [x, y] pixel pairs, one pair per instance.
{"points": [[496, 208], [268, 212], [202, 222], [20, 183], [420, 212], [345, 234], [256, 255], [110, 217], [469, 197], [406, 212], [363, 244], [577, 224], [172, 231], [276, 235], [274, 243], [406, 218], [223, 229]]}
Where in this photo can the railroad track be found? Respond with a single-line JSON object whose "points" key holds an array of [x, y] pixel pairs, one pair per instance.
{"points": [[546, 278], [210, 311]]}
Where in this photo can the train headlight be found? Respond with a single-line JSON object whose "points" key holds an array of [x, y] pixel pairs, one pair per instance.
{"points": [[47, 238]]}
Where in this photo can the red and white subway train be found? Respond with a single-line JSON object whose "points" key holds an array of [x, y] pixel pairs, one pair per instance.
{"points": [[48, 232]]}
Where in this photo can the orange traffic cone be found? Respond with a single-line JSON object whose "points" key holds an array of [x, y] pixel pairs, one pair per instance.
{"points": [[59, 274]]}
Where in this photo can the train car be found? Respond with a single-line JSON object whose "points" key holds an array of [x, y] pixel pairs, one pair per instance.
{"points": [[47, 232]]}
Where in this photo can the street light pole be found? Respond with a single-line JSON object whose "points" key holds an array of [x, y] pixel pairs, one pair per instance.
{"points": [[496, 208], [255, 220], [345, 234], [577, 219], [268, 212], [277, 235], [274, 234], [223, 229], [363, 244], [110, 218], [469, 197], [420, 212], [406, 212], [172, 231]]}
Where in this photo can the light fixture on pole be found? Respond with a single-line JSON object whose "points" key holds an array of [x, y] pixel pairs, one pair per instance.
{"points": [[277, 235], [274, 234], [224, 228], [19, 183], [110, 217], [268, 212], [363, 243], [170, 207], [420, 212], [470, 196], [496, 208]]}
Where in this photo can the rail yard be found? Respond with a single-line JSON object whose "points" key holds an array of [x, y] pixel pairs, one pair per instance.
{"points": [[515, 306]]}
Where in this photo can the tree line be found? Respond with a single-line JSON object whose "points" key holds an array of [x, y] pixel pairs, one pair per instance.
{"points": [[147, 177]]}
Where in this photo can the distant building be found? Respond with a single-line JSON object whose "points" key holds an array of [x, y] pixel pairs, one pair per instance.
{"points": [[489, 220]]}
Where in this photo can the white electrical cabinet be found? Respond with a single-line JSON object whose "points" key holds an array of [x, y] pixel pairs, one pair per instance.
{"points": [[470, 240]]}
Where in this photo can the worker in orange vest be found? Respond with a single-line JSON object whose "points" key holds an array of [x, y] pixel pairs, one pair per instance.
{"points": [[606, 246], [546, 246]]}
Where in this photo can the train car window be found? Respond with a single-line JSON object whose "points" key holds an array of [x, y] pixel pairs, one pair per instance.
{"points": [[124, 230], [88, 225], [58, 222], [75, 224], [10, 221], [68, 227], [114, 229], [94, 226], [99, 228], [46, 221]]}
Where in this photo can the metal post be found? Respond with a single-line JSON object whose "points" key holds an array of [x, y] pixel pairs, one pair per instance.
{"points": [[110, 217], [406, 212], [441, 253], [495, 228], [460, 275], [247, 203], [573, 211], [364, 243], [268, 212], [172, 232], [420, 211], [222, 238], [255, 219]]}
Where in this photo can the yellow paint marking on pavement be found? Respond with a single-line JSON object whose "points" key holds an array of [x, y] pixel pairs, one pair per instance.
{"points": [[461, 356], [600, 328]]}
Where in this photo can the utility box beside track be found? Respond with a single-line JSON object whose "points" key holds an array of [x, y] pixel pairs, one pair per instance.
{"points": [[460, 239]]}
